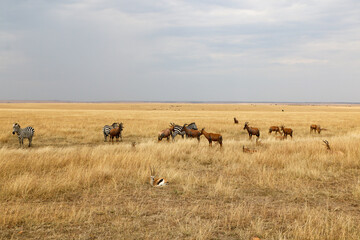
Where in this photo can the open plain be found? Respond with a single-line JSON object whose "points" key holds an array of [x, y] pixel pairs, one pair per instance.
{"points": [[72, 185]]}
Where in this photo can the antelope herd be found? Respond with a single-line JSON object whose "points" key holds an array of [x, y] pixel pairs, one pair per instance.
{"points": [[190, 131]]}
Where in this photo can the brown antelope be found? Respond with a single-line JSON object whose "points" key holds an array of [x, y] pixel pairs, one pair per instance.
{"points": [[248, 150], [166, 133], [287, 131], [192, 133], [251, 130], [275, 129], [316, 128], [212, 137], [236, 121], [157, 182], [116, 132], [331, 150], [320, 129]]}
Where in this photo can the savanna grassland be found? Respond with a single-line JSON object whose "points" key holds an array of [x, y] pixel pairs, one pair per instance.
{"points": [[72, 185]]}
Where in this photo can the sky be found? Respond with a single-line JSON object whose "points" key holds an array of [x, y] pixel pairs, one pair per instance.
{"points": [[189, 50]]}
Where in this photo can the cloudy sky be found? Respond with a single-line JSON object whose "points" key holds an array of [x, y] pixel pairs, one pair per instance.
{"points": [[189, 50]]}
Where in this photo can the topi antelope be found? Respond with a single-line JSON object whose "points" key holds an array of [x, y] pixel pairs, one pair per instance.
{"points": [[331, 150], [320, 129], [157, 182], [287, 131], [248, 150], [251, 130], [107, 128], [191, 132], [166, 133], [178, 130], [316, 128], [116, 132], [236, 121], [212, 137], [275, 129]]}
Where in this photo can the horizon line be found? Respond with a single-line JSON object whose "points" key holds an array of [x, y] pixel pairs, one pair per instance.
{"points": [[193, 102]]}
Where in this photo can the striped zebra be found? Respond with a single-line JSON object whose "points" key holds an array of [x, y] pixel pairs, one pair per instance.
{"points": [[22, 133], [107, 128], [178, 130]]}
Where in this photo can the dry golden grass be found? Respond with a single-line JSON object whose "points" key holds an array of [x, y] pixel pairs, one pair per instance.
{"points": [[72, 185]]}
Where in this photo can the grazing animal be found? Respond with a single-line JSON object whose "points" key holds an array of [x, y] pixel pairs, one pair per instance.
{"points": [[248, 150], [320, 129], [178, 130], [212, 137], [133, 144], [116, 132], [22, 133], [166, 133], [316, 128], [236, 121], [251, 130], [331, 150], [107, 128], [275, 129], [157, 182], [287, 131], [192, 133]]}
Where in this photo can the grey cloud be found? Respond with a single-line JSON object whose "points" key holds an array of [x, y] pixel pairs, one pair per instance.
{"points": [[180, 50]]}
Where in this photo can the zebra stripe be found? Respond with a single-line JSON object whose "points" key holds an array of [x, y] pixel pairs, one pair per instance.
{"points": [[22, 133], [107, 128], [178, 130], [192, 126]]}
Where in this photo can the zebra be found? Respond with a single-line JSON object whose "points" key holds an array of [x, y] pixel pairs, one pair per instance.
{"points": [[22, 133], [107, 128], [178, 130]]}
